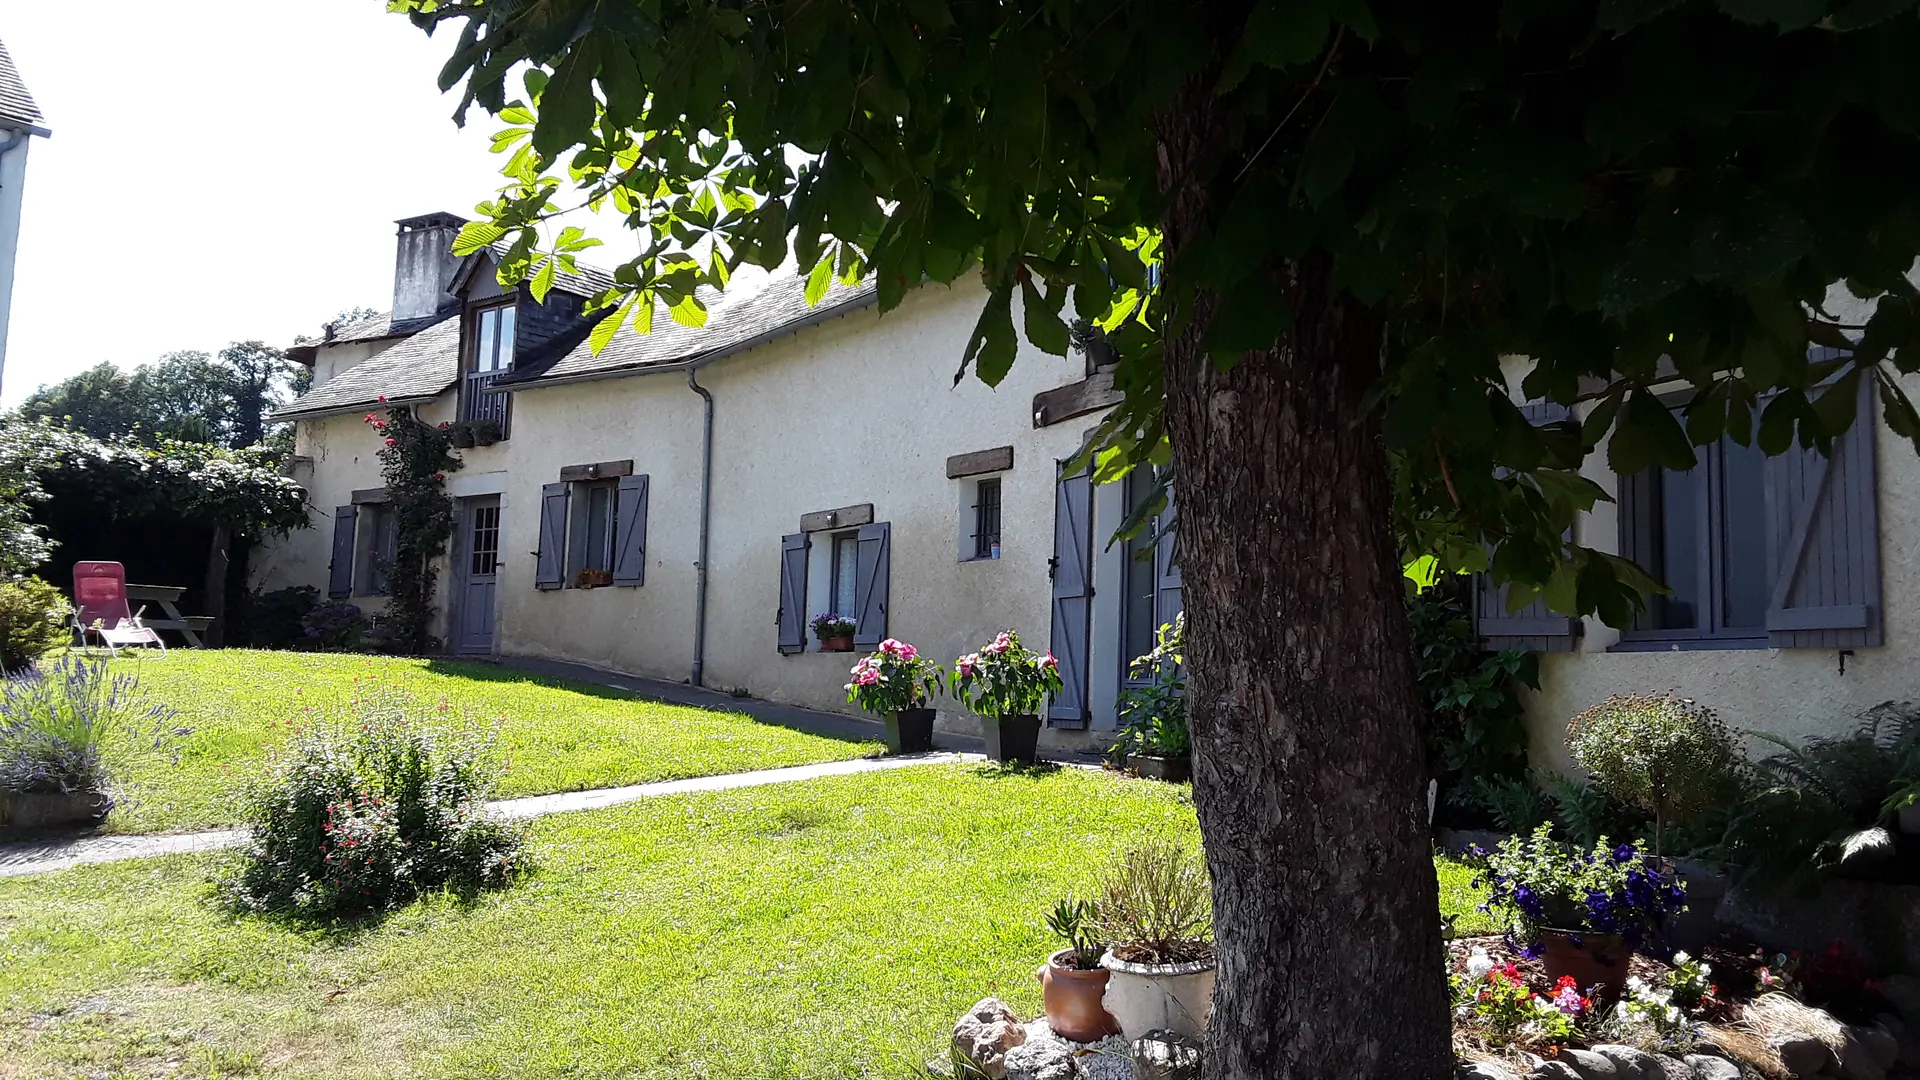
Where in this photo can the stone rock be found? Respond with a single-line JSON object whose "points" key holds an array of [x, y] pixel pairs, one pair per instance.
{"points": [[1906, 1035], [1554, 1070], [1631, 1064], [1802, 1054], [986, 1033], [1042, 1055], [1903, 993], [1484, 1070], [1662, 1067], [1882, 1046], [1166, 1055], [1708, 1067], [1591, 1066], [1857, 1060]]}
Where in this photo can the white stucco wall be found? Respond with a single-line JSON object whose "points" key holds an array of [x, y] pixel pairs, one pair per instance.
{"points": [[1788, 692], [860, 409]]}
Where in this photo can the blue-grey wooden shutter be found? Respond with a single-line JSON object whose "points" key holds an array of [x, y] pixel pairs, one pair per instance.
{"points": [[792, 616], [630, 525], [1168, 589], [1534, 628], [551, 572], [1072, 605], [340, 570], [1823, 527], [871, 584]]}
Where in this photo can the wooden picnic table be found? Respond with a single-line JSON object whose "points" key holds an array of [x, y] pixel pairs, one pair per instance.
{"points": [[188, 626]]}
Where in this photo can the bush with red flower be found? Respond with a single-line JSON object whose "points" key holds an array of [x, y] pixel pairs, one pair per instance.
{"points": [[1005, 678], [894, 678], [367, 810]]}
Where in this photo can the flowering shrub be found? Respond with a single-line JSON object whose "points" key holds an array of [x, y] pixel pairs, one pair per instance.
{"points": [[367, 812], [1498, 999], [333, 626], [33, 618], [1538, 884], [67, 727], [827, 626], [1651, 1018], [1005, 678], [1779, 973], [896, 677]]}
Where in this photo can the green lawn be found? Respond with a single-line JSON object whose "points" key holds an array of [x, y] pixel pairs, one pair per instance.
{"points": [[558, 735], [832, 928]]}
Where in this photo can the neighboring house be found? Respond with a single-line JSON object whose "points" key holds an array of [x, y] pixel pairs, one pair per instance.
{"points": [[1795, 586], [19, 120], [732, 482]]}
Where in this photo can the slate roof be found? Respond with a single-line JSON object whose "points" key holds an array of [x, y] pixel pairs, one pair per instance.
{"points": [[424, 365], [416, 369], [731, 321], [17, 109]]}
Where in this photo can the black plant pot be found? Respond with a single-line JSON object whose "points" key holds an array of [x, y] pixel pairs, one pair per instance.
{"points": [[1012, 738], [909, 731], [1176, 770]]}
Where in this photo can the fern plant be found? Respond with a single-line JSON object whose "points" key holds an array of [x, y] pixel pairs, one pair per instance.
{"points": [[1827, 805]]}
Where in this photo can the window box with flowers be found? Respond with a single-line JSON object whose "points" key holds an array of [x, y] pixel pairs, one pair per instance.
{"points": [[898, 683], [1006, 683], [834, 632]]}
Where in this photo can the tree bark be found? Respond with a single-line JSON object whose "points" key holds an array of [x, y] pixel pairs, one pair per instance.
{"points": [[1308, 771]]}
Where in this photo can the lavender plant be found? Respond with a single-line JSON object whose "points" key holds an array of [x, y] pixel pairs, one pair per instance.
{"points": [[69, 727]]}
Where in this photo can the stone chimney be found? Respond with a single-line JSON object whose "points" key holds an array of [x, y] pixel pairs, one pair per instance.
{"points": [[423, 266]]}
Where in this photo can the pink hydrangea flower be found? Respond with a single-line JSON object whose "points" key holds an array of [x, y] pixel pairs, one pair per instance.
{"points": [[968, 663], [1047, 662]]}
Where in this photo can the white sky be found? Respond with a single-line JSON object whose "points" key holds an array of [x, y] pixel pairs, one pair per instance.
{"points": [[222, 170]]}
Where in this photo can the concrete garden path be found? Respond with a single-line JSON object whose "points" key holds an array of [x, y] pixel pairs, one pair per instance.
{"points": [[20, 860]]}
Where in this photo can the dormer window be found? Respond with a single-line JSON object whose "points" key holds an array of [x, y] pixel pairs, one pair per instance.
{"points": [[489, 355]]}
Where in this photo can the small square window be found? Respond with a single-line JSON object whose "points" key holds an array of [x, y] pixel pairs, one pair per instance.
{"points": [[986, 518]]}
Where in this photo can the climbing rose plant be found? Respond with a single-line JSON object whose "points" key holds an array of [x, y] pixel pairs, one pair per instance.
{"points": [[415, 458]]}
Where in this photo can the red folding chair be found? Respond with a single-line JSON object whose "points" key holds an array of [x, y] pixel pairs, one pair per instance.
{"points": [[100, 609]]}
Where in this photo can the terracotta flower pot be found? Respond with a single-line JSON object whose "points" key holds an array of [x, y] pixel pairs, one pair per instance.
{"points": [[1073, 999], [1176, 770], [1592, 959], [909, 731], [836, 644], [1150, 997], [1012, 738]]}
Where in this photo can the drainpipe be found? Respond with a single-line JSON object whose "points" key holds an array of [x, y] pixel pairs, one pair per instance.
{"points": [[706, 505]]}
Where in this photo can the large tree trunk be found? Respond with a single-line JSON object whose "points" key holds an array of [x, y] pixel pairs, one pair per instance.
{"points": [[1308, 773]]}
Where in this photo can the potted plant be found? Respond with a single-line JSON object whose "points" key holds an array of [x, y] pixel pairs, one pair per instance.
{"points": [[1666, 755], [486, 432], [590, 578], [65, 729], [1072, 982], [1582, 912], [1006, 683], [897, 682], [1154, 741], [460, 435], [835, 632], [1154, 909]]}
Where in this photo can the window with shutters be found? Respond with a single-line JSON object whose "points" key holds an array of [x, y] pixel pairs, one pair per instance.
{"points": [[846, 572], [594, 531], [1758, 551], [378, 536], [488, 355], [1702, 533]]}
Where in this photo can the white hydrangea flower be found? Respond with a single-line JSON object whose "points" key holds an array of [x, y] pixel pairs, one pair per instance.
{"points": [[1478, 963]]}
